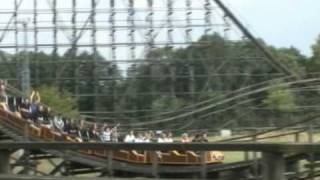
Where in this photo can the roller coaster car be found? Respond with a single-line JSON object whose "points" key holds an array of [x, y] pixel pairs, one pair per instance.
{"points": [[193, 157], [121, 155], [173, 157], [217, 156], [134, 156], [170, 158], [34, 130], [47, 134]]}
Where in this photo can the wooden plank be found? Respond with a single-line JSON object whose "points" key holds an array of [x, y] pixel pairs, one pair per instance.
{"points": [[259, 147]]}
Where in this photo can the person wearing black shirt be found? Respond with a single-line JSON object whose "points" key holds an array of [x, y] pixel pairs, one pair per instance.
{"points": [[25, 109]]}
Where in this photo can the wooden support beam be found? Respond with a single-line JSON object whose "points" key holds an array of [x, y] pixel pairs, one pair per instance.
{"points": [[4, 162], [203, 165], [110, 158], [154, 159], [57, 168], [273, 166]]}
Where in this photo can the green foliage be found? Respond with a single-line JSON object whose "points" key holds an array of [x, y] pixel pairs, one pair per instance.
{"points": [[313, 64], [60, 101], [280, 98], [292, 58], [171, 78], [316, 49], [167, 103]]}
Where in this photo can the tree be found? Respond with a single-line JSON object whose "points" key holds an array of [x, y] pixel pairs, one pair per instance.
{"points": [[167, 103], [316, 49], [281, 99], [60, 101]]}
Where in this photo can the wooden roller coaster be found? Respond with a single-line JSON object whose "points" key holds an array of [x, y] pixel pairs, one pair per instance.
{"points": [[132, 161]]}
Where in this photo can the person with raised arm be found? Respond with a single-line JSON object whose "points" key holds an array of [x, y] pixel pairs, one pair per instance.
{"points": [[34, 107], [105, 135], [35, 97], [115, 133]]}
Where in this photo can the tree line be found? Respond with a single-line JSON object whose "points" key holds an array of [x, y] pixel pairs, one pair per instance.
{"points": [[172, 81]]}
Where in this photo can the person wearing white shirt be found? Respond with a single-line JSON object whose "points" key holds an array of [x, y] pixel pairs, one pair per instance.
{"points": [[130, 138], [58, 123], [162, 138], [147, 137], [139, 139], [169, 138], [106, 135]]}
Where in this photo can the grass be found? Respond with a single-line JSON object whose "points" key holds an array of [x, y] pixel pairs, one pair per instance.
{"points": [[231, 157]]}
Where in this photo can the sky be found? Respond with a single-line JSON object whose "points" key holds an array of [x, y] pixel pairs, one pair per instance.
{"points": [[282, 23]]}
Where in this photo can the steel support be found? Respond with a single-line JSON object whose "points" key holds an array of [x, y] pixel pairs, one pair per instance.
{"points": [[207, 17], [16, 42], [35, 41], [188, 29], [169, 22], [25, 67], [74, 47], [55, 40], [94, 53]]}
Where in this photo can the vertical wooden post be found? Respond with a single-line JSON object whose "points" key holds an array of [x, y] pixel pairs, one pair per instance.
{"points": [[4, 162], [154, 159], [65, 165], [27, 169], [110, 163], [310, 140], [246, 156], [203, 165], [310, 133], [296, 165], [297, 137], [273, 166], [26, 131], [255, 158]]}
